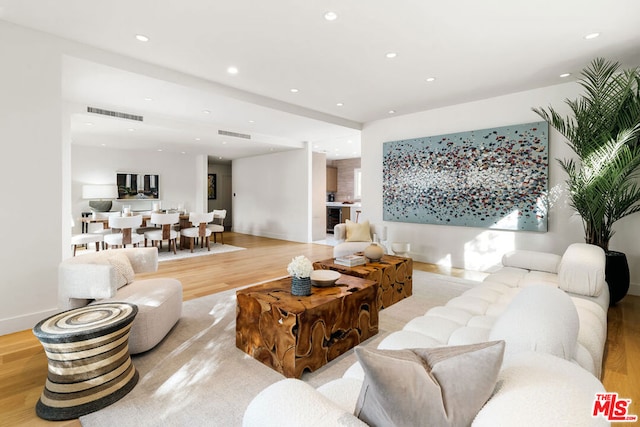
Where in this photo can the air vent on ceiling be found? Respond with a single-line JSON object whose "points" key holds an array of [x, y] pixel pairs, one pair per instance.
{"points": [[115, 114], [236, 134]]}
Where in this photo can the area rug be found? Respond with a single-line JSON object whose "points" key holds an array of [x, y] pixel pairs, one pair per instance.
{"points": [[215, 248], [198, 377]]}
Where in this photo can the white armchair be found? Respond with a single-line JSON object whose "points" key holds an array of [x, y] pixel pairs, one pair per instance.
{"points": [[107, 276], [346, 246]]}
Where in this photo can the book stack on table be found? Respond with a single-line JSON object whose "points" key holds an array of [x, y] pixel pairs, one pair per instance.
{"points": [[351, 260]]}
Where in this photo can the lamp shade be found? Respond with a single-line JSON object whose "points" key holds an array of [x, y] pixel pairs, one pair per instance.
{"points": [[105, 191]]}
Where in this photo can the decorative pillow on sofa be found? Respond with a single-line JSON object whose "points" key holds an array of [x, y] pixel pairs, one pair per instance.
{"points": [[358, 232], [582, 270], [443, 386], [122, 265], [539, 318]]}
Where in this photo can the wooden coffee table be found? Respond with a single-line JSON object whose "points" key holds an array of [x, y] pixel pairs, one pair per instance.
{"points": [[393, 273], [293, 334]]}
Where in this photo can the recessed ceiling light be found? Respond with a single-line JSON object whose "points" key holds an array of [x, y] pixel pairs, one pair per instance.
{"points": [[183, 152], [224, 142], [294, 90], [232, 70], [88, 124], [197, 139], [148, 99], [565, 75], [391, 55], [159, 149], [142, 38], [349, 142], [219, 157], [131, 129], [591, 36], [252, 121], [330, 16], [104, 145], [431, 79], [392, 111], [340, 104], [206, 112]]}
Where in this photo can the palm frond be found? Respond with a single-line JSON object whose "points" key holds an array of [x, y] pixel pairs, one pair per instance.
{"points": [[603, 130]]}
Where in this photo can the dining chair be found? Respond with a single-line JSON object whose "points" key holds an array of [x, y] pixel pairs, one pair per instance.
{"points": [[125, 236], [83, 239], [218, 224], [166, 232], [199, 229]]}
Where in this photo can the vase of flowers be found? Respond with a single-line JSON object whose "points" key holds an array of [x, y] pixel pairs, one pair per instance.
{"points": [[300, 269]]}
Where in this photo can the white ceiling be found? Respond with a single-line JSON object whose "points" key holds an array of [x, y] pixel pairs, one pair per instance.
{"points": [[474, 49]]}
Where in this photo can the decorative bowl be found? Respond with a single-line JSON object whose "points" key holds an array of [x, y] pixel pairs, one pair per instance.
{"points": [[324, 278]]}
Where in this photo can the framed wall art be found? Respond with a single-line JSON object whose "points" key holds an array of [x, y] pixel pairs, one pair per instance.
{"points": [[211, 186], [491, 178], [138, 186]]}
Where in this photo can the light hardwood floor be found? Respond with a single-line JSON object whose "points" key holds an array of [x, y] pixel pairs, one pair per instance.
{"points": [[23, 365]]}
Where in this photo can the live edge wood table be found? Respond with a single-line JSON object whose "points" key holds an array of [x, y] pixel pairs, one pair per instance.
{"points": [[293, 334], [394, 274]]}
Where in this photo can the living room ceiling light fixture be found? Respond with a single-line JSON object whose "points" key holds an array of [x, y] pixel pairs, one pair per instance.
{"points": [[232, 70], [391, 55], [142, 38], [431, 79], [294, 90], [330, 16], [340, 104], [591, 36]]}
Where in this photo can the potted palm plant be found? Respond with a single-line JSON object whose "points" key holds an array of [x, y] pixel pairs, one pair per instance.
{"points": [[604, 133]]}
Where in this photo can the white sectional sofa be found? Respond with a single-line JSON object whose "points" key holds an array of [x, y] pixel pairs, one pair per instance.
{"points": [[551, 312]]}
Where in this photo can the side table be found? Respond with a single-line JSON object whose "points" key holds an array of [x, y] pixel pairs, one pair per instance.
{"points": [[393, 274], [88, 359]]}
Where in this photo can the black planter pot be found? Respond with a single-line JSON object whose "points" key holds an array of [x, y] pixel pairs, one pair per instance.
{"points": [[617, 275]]}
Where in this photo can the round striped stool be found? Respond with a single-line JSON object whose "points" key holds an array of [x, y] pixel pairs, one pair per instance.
{"points": [[89, 364]]}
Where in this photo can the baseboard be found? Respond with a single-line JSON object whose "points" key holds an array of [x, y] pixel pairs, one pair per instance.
{"points": [[22, 323]]}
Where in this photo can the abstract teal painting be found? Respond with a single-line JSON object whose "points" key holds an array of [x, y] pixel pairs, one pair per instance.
{"points": [[490, 178]]}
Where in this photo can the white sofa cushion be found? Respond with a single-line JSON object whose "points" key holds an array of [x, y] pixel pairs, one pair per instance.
{"points": [[536, 389], [582, 270], [294, 403], [539, 318], [532, 260]]}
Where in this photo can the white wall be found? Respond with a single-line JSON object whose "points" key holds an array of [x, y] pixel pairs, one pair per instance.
{"points": [[476, 248], [271, 195], [319, 197], [178, 175], [31, 133]]}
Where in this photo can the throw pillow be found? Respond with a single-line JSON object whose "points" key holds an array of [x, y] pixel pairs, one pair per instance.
{"points": [[443, 386], [358, 232], [122, 265]]}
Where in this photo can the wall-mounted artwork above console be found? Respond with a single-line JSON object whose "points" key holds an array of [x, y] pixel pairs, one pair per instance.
{"points": [[138, 186]]}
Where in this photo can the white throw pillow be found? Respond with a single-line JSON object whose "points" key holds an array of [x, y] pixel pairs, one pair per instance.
{"points": [[582, 270], [540, 318]]}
